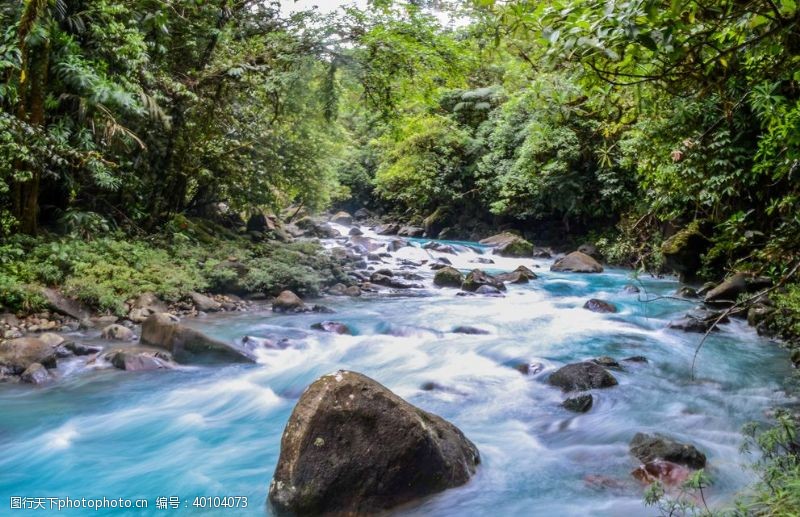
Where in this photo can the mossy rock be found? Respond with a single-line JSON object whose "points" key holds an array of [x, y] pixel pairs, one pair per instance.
{"points": [[448, 277], [683, 252]]}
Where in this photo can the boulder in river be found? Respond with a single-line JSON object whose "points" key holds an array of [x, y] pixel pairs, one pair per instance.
{"points": [[140, 359], [188, 345], [606, 362], [287, 301], [440, 247], [579, 403], [352, 447], [333, 327], [474, 331], [521, 275], [448, 277], [577, 262], [651, 447], [204, 303], [700, 321], [596, 305], [118, 333], [476, 278], [508, 244], [35, 374], [387, 229], [396, 244], [582, 376], [489, 290], [411, 231], [342, 218], [16, 355]]}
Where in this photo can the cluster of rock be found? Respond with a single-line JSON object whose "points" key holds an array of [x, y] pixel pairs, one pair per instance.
{"points": [[12, 326]]}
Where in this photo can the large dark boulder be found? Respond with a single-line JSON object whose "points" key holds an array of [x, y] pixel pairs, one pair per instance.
{"points": [[411, 231], [352, 447], [582, 376], [684, 250], [16, 355], [477, 278], [188, 345], [342, 218], [448, 277], [651, 447], [577, 262], [579, 403]]}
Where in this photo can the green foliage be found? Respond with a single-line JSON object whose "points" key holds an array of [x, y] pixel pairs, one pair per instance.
{"points": [[787, 315], [689, 501]]}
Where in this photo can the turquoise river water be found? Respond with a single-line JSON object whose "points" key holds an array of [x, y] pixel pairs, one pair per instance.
{"points": [[215, 431]]}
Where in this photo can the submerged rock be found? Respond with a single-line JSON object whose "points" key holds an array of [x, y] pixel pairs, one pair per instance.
{"points": [[353, 447], [580, 403], [577, 262], [188, 345], [602, 306], [489, 290], [651, 447], [529, 368], [582, 376], [448, 277], [333, 327], [477, 278], [463, 329]]}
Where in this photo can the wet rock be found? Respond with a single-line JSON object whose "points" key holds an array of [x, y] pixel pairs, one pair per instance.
{"points": [[477, 278], [704, 290], [16, 355], [474, 331], [334, 327], [139, 359], [342, 218], [355, 232], [148, 304], [353, 447], [313, 228], [582, 376], [79, 349], [448, 277], [636, 359], [368, 245], [52, 339], [542, 253], [631, 289], [601, 306], [580, 403], [521, 275], [591, 250], [396, 244], [188, 345], [431, 386], [489, 290], [665, 472], [353, 291], [735, 285], [577, 262], [387, 229], [444, 260], [35, 374], [482, 260], [441, 248], [683, 251], [118, 333], [509, 244], [529, 368], [606, 362], [321, 309], [204, 303], [287, 301], [411, 231], [698, 322], [651, 447], [391, 281]]}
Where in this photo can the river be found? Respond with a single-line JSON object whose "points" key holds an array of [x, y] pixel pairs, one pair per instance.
{"points": [[215, 430]]}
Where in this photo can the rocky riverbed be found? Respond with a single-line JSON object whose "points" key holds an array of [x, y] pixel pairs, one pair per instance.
{"points": [[549, 366]]}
